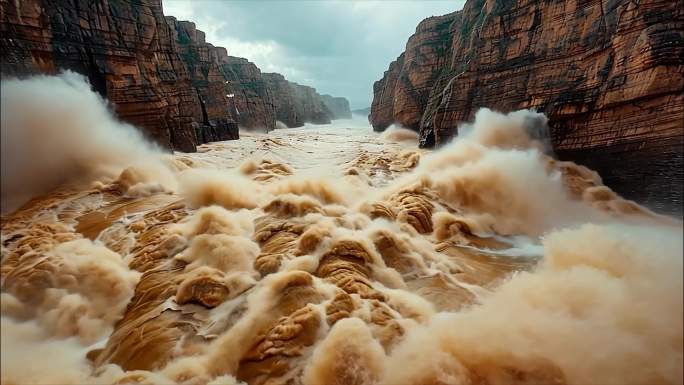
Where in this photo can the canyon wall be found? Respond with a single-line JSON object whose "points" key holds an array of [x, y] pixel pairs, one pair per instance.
{"points": [[339, 106], [608, 74], [158, 73], [296, 104]]}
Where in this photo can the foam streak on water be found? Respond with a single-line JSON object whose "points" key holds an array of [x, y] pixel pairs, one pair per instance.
{"points": [[334, 255]]}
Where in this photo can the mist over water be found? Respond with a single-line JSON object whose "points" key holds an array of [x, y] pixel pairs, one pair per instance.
{"points": [[397, 134], [323, 255], [56, 130]]}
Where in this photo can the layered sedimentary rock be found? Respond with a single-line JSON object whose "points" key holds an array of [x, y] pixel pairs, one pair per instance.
{"points": [[126, 50], [159, 73], [233, 85], [362, 111], [282, 100], [339, 106], [296, 104], [216, 119], [252, 100], [607, 74]]}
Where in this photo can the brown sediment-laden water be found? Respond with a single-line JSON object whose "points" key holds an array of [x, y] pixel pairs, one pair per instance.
{"points": [[324, 255]]}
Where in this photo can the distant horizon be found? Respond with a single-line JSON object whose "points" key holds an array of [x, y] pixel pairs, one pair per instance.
{"points": [[311, 46]]}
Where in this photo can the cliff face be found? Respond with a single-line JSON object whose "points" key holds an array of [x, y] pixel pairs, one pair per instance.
{"points": [[401, 96], [215, 119], [126, 50], [253, 100], [283, 101], [158, 72], [363, 112], [607, 74], [296, 104], [310, 105], [338, 106]]}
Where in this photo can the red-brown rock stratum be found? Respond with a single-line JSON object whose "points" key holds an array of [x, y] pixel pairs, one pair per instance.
{"points": [[608, 74], [158, 72]]}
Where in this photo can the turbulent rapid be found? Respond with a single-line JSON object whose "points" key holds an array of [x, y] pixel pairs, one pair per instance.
{"points": [[323, 255]]}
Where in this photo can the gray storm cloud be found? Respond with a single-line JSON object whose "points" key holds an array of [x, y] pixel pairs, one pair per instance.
{"points": [[339, 47]]}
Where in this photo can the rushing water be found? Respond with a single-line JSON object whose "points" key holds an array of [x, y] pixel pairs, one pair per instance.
{"points": [[335, 255]]}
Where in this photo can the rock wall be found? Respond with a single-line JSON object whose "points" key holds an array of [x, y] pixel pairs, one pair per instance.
{"points": [[296, 104], [283, 100], [310, 105], [253, 101], [216, 118], [608, 74], [339, 106], [401, 96], [362, 111], [159, 73]]}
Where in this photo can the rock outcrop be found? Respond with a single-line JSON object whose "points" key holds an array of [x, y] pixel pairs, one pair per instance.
{"points": [[159, 73], [607, 74], [217, 117], [126, 50], [296, 104], [334, 279], [253, 100], [339, 106], [310, 104]]}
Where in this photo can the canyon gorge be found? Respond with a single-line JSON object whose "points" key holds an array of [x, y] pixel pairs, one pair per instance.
{"points": [[159, 73], [325, 256], [507, 211]]}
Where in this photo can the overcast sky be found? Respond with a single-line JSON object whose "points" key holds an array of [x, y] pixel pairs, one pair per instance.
{"points": [[339, 47]]}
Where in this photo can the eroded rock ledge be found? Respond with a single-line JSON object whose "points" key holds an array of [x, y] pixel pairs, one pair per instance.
{"points": [[608, 74], [158, 72]]}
